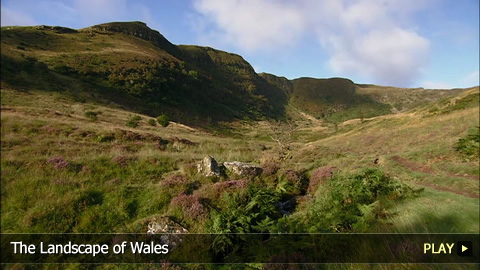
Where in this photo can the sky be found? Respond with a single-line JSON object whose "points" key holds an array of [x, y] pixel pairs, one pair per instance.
{"points": [[403, 43]]}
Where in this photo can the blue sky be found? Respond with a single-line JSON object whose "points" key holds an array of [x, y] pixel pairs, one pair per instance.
{"points": [[405, 43]]}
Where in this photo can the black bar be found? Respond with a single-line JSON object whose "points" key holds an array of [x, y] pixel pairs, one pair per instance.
{"points": [[248, 248]]}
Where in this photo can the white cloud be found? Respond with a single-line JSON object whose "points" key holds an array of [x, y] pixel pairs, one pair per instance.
{"points": [[367, 38], [253, 24], [14, 18], [392, 56]]}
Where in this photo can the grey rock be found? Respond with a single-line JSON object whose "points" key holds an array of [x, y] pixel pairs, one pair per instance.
{"points": [[164, 225], [243, 169], [209, 167], [169, 230]]}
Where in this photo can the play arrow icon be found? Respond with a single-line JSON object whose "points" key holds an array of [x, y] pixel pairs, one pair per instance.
{"points": [[464, 248]]}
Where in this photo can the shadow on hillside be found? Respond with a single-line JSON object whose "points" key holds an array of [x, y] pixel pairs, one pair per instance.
{"points": [[191, 106]]}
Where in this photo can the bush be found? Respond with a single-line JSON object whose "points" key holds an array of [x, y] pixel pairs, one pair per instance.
{"points": [[270, 167], [152, 122], [215, 191], [469, 145], [248, 212], [91, 115], [319, 177], [133, 121], [352, 202], [174, 180], [291, 183], [105, 138], [58, 162], [163, 120], [123, 161], [191, 205]]}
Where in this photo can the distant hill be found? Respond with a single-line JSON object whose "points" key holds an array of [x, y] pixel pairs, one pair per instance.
{"points": [[134, 67]]}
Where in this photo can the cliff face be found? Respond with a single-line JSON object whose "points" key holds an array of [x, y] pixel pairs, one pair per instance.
{"points": [[139, 30]]}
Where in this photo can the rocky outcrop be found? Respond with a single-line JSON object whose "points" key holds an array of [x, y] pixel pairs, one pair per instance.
{"points": [[57, 29], [164, 225], [139, 30], [209, 167], [170, 231], [242, 169]]}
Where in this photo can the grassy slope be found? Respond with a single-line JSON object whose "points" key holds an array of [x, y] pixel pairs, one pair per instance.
{"points": [[97, 192], [135, 67], [148, 75], [404, 99], [418, 148], [338, 99]]}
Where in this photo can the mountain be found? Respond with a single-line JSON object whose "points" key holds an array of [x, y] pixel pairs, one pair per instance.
{"points": [[134, 67]]}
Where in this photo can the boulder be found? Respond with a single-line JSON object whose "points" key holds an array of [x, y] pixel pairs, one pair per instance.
{"points": [[170, 231], [164, 225], [243, 169], [209, 167]]}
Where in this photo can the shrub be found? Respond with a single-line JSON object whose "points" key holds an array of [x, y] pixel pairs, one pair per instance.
{"points": [[352, 202], [291, 183], [469, 145], [252, 211], [123, 161], [191, 205], [105, 137], [91, 115], [133, 121], [58, 163], [319, 177], [152, 122], [174, 180], [163, 120], [214, 192], [245, 212], [270, 167]]}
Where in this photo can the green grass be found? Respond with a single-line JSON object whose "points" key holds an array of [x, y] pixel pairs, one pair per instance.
{"points": [[426, 215]]}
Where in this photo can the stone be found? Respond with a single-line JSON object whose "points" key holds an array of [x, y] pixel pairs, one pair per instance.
{"points": [[164, 225], [170, 231], [209, 167], [243, 169]]}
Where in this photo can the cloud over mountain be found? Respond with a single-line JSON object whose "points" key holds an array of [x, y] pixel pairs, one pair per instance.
{"points": [[368, 38]]}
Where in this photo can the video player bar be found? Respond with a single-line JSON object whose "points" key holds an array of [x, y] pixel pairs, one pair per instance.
{"points": [[239, 248]]}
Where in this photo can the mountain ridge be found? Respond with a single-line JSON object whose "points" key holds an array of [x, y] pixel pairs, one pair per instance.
{"points": [[136, 67]]}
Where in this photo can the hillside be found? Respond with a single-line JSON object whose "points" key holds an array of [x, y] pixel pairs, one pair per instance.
{"points": [[66, 171], [136, 68]]}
